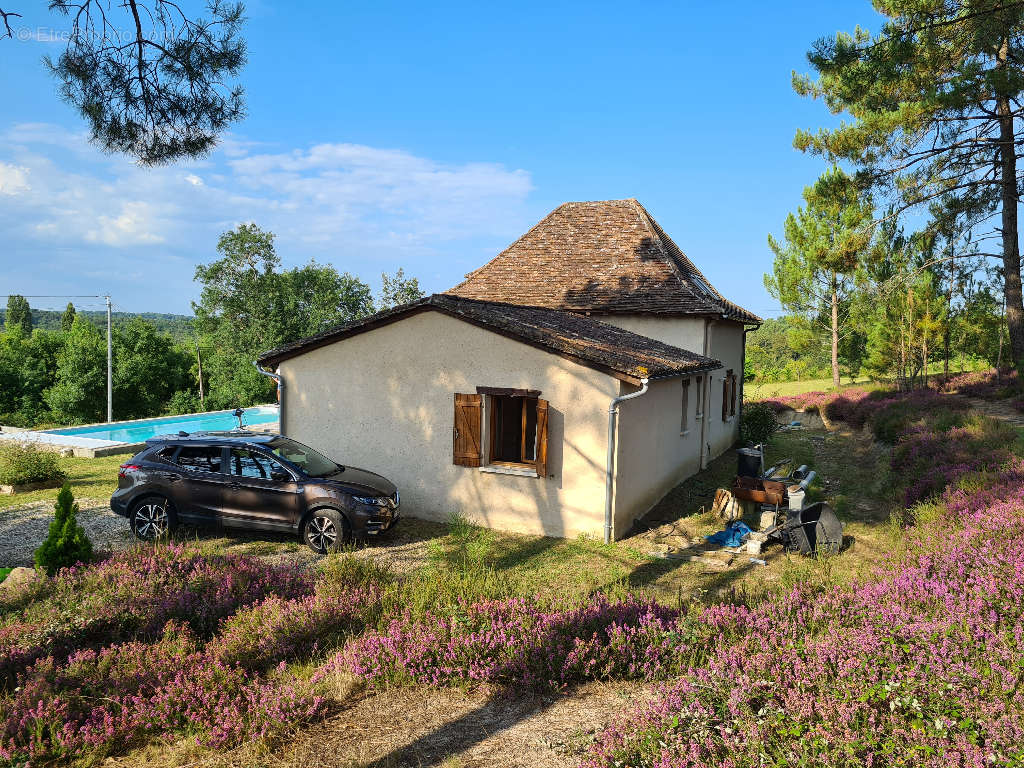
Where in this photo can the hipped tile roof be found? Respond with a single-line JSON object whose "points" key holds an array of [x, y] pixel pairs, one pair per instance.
{"points": [[608, 256], [623, 354]]}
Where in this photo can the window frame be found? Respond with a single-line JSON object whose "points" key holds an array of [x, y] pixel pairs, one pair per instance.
{"points": [[729, 396], [699, 408], [684, 419], [271, 458], [490, 422], [224, 454]]}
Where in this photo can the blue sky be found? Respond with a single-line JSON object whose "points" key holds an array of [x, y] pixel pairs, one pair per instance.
{"points": [[429, 136]]}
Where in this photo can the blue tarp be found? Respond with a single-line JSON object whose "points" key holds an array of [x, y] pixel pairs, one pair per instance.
{"points": [[732, 536]]}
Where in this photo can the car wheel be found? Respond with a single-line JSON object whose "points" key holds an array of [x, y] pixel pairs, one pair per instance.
{"points": [[326, 530], [152, 518]]}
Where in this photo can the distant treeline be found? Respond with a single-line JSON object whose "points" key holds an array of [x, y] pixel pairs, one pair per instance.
{"points": [[178, 327], [53, 365]]}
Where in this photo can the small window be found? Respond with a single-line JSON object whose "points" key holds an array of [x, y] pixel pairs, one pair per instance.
{"points": [[200, 458], [684, 420], [513, 433], [245, 463], [699, 414], [728, 395]]}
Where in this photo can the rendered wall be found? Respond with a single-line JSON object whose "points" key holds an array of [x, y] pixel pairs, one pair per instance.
{"points": [[383, 401], [653, 453]]}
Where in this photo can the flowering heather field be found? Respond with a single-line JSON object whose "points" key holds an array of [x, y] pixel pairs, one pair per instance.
{"points": [[919, 664], [989, 384]]}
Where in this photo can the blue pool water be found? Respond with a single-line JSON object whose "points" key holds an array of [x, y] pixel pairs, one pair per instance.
{"points": [[140, 431]]}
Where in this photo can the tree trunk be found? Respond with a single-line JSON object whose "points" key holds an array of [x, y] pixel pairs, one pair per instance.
{"points": [[949, 316], [1011, 245], [835, 332]]}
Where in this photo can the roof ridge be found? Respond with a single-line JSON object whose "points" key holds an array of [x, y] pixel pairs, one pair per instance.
{"points": [[661, 235]]}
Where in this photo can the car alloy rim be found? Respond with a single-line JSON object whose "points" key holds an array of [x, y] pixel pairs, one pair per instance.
{"points": [[151, 520], [322, 533]]}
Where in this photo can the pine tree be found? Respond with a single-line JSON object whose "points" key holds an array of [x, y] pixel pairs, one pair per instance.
{"points": [[824, 245], [935, 99], [68, 318], [66, 543], [19, 314]]}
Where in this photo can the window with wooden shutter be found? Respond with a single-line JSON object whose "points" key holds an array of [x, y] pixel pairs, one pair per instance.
{"points": [[466, 430], [733, 389]]}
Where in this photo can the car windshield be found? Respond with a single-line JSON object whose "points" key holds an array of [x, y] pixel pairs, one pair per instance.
{"points": [[305, 458]]}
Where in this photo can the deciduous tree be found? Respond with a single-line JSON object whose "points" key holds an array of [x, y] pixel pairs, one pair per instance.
{"points": [[249, 305], [19, 315], [398, 289], [68, 318], [80, 392]]}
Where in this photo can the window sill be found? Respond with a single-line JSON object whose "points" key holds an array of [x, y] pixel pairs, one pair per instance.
{"points": [[495, 469]]}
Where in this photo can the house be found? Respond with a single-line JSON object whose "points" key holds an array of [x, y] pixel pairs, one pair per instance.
{"points": [[563, 388]]}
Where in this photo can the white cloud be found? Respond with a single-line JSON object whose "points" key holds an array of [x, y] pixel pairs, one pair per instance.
{"points": [[13, 179], [135, 226], [364, 209]]}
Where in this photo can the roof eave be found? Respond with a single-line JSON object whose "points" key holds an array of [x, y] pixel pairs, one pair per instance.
{"points": [[276, 356]]}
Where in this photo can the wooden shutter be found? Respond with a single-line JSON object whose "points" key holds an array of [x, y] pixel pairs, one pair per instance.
{"points": [[542, 438], [733, 388], [725, 396], [466, 430]]}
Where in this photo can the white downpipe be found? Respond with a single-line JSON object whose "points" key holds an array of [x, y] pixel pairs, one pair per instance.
{"points": [[613, 408], [705, 396]]}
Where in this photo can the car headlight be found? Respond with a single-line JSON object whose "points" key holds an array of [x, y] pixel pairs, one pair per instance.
{"points": [[373, 501]]}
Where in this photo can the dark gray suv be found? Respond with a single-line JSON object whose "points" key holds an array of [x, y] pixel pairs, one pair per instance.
{"points": [[251, 481]]}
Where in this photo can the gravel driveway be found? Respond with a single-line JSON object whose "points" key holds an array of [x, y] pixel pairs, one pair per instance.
{"points": [[22, 529]]}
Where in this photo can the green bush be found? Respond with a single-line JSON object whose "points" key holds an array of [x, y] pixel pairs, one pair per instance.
{"points": [[23, 463], [66, 544], [757, 423]]}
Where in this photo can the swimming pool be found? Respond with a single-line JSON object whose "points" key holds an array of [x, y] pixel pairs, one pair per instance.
{"points": [[143, 429]]}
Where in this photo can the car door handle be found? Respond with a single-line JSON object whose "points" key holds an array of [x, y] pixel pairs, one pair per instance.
{"points": [[235, 486], [170, 477]]}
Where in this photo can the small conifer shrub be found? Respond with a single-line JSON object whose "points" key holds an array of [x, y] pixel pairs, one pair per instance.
{"points": [[66, 543]]}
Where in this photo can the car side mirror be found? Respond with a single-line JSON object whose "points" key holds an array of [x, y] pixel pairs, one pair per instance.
{"points": [[280, 476]]}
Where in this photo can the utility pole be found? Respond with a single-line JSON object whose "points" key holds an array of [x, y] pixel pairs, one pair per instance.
{"points": [[110, 367]]}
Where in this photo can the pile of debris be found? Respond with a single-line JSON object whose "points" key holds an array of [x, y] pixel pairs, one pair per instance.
{"points": [[776, 498]]}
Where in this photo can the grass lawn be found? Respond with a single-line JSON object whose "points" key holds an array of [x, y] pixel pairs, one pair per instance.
{"points": [[474, 559], [753, 390], [89, 478], [4, 573]]}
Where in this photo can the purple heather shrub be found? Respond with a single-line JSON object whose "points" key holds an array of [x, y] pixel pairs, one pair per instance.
{"points": [[518, 643], [989, 384], [132, 595], [918, 666], [263, 634], [117, 696]]}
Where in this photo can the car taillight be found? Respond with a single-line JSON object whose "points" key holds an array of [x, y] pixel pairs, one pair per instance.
{"points": [[126, 468]]}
